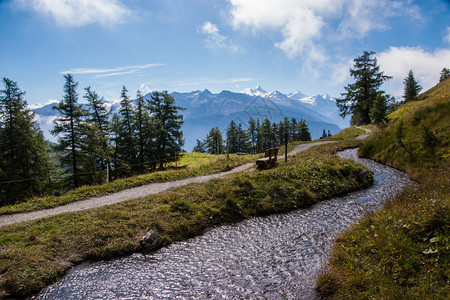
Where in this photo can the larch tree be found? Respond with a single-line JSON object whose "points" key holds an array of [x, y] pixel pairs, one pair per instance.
{"points": [[24, 160], [167, 122], [214, 141], [126, 162], [99, 132], [360, 95], [70, 129]]}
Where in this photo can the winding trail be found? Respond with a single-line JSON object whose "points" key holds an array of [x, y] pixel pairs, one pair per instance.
{"points": [[136, 192]]}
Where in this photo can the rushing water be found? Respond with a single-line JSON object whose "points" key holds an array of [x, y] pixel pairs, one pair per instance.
{"points": [[274, 257]]}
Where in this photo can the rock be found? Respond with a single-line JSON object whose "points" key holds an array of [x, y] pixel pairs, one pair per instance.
{"points": [[150, 241]]}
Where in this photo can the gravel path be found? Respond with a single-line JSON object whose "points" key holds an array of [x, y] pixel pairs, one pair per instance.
{"points": [[136, 192]]}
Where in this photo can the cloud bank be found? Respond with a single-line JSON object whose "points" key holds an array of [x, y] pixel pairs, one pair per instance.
{"points": [[78, 13], [302, 23], [426, 65]]}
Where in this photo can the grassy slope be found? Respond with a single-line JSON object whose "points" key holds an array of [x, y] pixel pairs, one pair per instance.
{"points": [[33, 254], [402, 252], [189, 165]]}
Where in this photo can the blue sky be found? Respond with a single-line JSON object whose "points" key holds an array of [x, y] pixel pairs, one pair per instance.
{"points": [[186, 45]]}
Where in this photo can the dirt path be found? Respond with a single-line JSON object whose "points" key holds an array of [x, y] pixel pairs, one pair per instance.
{"points": [[141, 191]]}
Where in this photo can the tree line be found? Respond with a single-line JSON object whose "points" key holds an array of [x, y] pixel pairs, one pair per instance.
{"points": [[256, 138], [142, 136]]}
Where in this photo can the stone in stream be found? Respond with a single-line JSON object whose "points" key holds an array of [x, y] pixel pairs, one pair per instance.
{"points": [[151, 241]]}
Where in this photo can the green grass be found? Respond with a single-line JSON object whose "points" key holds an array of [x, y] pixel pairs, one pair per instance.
{"points": [[34, 254], [189, 165], [403, 251]]}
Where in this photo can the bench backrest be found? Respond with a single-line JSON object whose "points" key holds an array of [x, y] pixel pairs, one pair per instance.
{"points": [[272, 152]]}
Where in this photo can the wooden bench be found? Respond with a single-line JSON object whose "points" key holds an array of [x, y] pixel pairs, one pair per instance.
{"points": [[269, 160]]}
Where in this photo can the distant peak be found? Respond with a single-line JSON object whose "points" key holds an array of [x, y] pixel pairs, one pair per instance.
{"points": [[258, 91]]}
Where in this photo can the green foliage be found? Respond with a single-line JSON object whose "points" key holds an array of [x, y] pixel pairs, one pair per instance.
{"points": [[402, 251], [445, 73], [360, 96], [71, 129], [412, 87], [214, 142], [36, 253], [24, 160]]}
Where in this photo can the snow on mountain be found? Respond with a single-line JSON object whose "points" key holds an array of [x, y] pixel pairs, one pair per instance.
{"points": [[296, 95], [258, 91], [204, 110]]}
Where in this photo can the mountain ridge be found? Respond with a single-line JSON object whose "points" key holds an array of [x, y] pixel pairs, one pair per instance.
{"points": [[204, 109]]}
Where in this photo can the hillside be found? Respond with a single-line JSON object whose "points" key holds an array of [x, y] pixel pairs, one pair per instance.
{"points": [[402, 252]]}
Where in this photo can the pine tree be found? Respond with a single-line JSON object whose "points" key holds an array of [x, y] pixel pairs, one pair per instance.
{"points": [[199, 147], [303, 131], [24, 161], [214, 142], [378, 113], [70, 127], [445, 73], [125, 138], [232, 137], [266, 135], [242, 141], [167, 122], [98, 138], [360, 95], [412, 87], [252, 134], [144, 132]]}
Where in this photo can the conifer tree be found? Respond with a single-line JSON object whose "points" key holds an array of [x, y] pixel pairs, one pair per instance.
{"points": [[266, 135], [98, 138], [242, 143], [445, 73], [412, 87], [24, 162], [360, 95], [303, 131], [378, 113], [214, 142], [199, 147], [252, 134], [144, 131], [232, 137], [167, 126], [125, 139], [70, 128]]}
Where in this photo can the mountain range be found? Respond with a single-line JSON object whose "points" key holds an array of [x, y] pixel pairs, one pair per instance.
{"points": [[204, 110]]}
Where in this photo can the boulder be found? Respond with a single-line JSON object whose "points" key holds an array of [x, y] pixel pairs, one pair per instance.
{"points": [[151, 240]]}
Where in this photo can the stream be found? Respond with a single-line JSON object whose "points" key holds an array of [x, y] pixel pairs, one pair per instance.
{"points": [[273, 257]]}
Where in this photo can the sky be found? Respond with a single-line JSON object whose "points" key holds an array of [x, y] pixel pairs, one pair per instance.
{"points": [[187, 45]]}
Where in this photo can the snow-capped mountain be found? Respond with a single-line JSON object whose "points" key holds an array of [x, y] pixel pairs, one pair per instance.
{"points": [[258, 91], [204, 110]]}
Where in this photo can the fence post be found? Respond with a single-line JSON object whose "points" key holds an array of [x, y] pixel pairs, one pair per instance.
{"points": [[285, 146], [176, 164]]}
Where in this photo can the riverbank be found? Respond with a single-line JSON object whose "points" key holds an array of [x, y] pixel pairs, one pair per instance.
{"points": [[403, 251], [268, 257], [35, 253]]}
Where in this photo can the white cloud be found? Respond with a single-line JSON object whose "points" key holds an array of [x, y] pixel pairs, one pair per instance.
{"points": [[303, 22], [110, 72], [215, 40], [77, 13], [397, 61]]}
